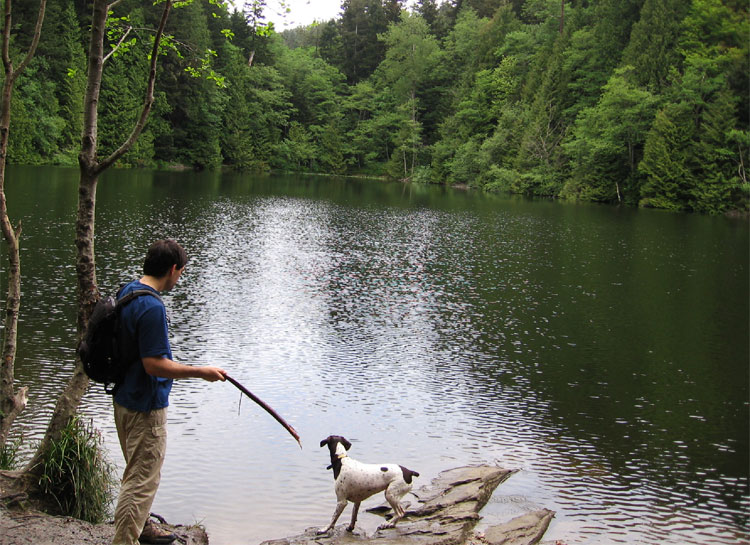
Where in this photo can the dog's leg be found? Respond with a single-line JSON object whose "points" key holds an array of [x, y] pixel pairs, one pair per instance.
{"points": [[393, 494], [336, 514], [355, 509]]}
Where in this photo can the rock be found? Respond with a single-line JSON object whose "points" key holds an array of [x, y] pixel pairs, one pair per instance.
{"points": [[527, 529], [447, 512]]}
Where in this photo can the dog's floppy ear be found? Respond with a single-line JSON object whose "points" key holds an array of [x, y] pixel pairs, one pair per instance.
{"points": [[325, 441], [347, 444]]}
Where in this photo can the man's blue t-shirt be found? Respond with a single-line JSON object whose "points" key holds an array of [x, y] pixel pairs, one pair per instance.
{"points": [[145, 326]]}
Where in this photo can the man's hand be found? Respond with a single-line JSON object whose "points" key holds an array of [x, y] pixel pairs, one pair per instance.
{"points": [[212, 374]]}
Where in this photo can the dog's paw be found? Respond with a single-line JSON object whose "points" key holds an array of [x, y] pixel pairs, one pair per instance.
{"points": [[323, 531], [387, 526]]}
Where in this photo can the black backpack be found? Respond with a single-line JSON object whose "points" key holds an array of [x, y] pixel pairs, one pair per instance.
{"points": [[104, 360]]}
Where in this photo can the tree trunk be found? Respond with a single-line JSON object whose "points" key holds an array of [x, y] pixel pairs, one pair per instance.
{"points": [[12, 402], [90, 169], [562, 15], [414, 128]]}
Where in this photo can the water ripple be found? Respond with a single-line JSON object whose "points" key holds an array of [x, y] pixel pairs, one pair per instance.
{"points": [[578, 347]]}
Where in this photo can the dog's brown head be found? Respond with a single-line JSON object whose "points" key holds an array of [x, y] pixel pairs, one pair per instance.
{"points": [[333, 441]]}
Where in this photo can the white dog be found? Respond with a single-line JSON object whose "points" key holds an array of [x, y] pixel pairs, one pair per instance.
{"points": [[356, 481]]}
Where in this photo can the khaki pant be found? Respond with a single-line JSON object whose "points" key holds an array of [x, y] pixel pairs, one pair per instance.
{"points": [[143, 439]]}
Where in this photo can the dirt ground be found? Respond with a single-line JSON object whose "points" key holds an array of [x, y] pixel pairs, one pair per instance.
{"points": [[22, 524], [22, 527]]}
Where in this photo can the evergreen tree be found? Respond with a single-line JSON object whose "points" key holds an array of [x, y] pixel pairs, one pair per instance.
{"points": [[484, 8], [666, 160], [197, 102], [361, 22], [715, 155], [61, 47], [331, 45], [652, 50], [392, 10], [36, 127], [428, 10], [120, 100]]}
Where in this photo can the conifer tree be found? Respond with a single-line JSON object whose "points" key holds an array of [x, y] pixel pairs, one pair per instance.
{"points": [[652, 50], [666, 160]]}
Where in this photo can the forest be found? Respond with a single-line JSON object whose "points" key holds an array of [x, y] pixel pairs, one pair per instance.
{"points": [[640, 102]]}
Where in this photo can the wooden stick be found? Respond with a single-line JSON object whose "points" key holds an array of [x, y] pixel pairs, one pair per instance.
{"points": [[267, 407]]}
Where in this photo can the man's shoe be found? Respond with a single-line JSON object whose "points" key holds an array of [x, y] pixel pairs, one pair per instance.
{"points": [[154, 535]]}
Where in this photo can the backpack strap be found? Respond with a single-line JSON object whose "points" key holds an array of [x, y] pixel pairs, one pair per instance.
{"points": [[125, 299], [121, 302]]}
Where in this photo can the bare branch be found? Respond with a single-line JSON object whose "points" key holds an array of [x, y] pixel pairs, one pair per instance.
{"points": [[35, 39], [149, 98], [118, 44]]}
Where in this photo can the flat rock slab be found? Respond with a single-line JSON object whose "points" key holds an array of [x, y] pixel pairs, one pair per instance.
{"points": [[447, 511], [527, 529]]}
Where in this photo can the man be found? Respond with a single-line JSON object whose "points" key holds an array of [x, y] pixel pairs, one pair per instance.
{"points": [[140, 402]]}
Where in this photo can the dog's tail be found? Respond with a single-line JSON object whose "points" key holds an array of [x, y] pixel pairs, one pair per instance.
{"points": [[408, 474]]}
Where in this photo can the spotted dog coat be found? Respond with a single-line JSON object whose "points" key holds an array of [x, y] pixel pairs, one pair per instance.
{"points": [[355, 481]]}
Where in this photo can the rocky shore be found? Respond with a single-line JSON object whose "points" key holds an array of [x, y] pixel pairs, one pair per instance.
{"points": [[446, 512]]}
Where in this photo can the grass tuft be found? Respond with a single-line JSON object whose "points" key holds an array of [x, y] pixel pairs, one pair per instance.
{"points": [[76, 474], [9, 454]]}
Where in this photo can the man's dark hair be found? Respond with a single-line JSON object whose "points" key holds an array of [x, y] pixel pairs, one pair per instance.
{"points": [[161, 256]]}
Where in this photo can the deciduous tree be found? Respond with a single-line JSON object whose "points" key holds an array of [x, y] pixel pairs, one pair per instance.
{"points": [[12, 401], [91, 168]]}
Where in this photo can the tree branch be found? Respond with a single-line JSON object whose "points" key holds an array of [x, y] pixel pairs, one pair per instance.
{"points": [[117, 46], [149, 98], [6, 38], [35, 39]]}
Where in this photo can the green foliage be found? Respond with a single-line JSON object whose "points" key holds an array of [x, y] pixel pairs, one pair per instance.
{"points": [[607, 142], [695, 156], [36, 127], [255, 113], [75, 474], [635, 101]]}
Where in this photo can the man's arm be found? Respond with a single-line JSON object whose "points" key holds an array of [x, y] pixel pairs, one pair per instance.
{"points": [[166, 368]]}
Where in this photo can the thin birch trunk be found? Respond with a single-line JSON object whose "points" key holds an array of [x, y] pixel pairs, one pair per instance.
{"points": [[12, 402]]}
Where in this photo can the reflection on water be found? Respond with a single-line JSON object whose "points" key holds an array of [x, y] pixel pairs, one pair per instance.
{"points": [[602, 352]]}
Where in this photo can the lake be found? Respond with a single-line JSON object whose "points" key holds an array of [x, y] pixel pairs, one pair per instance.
{"points": [[601, 351]]}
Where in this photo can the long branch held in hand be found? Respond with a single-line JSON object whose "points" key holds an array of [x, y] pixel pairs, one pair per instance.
{"points": [[268, 409]]}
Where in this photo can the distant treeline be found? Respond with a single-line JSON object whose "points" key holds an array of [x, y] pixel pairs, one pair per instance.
{"points": [[644, 102]]}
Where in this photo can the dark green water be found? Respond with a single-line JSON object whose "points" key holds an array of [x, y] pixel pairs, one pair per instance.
{"points": [[601, 351]]}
